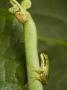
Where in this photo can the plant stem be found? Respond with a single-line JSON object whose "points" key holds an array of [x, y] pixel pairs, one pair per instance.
{"points": [[32, 59], [30, 33]]}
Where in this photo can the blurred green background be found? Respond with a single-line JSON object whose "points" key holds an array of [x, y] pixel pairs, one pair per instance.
{"points": [[50, 17]]}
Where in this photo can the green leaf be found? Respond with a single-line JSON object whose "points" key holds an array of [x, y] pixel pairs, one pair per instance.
{"points": [[51, 19]]}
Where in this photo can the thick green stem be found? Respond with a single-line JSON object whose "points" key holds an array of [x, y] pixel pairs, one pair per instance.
{"points": [[30, 32], [31, 54]]}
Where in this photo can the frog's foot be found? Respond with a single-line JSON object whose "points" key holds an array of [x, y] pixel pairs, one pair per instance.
{"points": [[37, 77], [41, 78], [39, 71]]}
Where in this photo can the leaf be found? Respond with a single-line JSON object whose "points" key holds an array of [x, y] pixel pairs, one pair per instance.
{"points": [[51, 19], [12, 57]]}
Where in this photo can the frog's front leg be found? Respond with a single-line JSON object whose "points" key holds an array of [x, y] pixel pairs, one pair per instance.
{"points": [[43, 70]]}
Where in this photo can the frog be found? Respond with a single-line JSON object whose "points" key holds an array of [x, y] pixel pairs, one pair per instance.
{"points": [[43, 71]]}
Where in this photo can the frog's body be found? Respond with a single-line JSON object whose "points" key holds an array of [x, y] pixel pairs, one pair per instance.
{"points": [[44, 69]]}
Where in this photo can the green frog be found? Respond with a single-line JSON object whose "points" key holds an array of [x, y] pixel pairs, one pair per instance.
{"points": [[43, 71]]}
